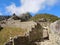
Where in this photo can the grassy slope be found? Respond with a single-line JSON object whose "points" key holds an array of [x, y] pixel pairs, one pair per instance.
{"points": [[47, 16], [7, 32]]}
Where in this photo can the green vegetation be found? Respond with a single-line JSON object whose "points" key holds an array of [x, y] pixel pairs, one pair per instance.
{"points": [[25, 17], [51, 18], [22, 17], [7, 32]]}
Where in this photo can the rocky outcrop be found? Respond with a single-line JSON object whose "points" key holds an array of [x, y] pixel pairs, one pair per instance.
{"points": [[54, 34], [22, 17], [36, 32], [25, 17]]}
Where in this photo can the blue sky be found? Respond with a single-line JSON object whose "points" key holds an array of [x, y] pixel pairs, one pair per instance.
{"points": [[8, 7]]}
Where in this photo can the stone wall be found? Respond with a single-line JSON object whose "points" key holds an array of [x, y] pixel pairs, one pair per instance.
{"points": [[36, 32], [54, 37], [21, 40]]}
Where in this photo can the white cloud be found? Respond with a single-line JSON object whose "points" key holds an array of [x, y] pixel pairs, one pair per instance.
{"points": [[12, 8], [51, 2], [32, 6]]}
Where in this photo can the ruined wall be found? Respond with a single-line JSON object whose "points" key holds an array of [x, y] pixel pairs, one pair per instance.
{"points": [[21, 40], [36, 32], [54, 37]]}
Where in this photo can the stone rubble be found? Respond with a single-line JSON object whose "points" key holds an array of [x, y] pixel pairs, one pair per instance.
{"points": [[49, 29]]}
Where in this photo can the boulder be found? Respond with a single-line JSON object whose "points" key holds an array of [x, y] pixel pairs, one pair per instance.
{"points": [[55, 27]]}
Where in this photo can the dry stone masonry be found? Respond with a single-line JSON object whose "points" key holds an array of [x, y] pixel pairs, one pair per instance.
{"points": [[41, 32], [36, 33], [54, 37]]}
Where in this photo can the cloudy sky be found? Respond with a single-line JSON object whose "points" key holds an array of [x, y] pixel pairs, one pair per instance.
{"points": [[8, 7]]}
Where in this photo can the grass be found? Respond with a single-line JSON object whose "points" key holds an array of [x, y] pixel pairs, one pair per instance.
{"points": [[7, 32]]}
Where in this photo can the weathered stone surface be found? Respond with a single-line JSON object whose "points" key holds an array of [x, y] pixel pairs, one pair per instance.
{"points": [[54, 34], [36, 32], [21, 40], [55, 27], [9, 43]]}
